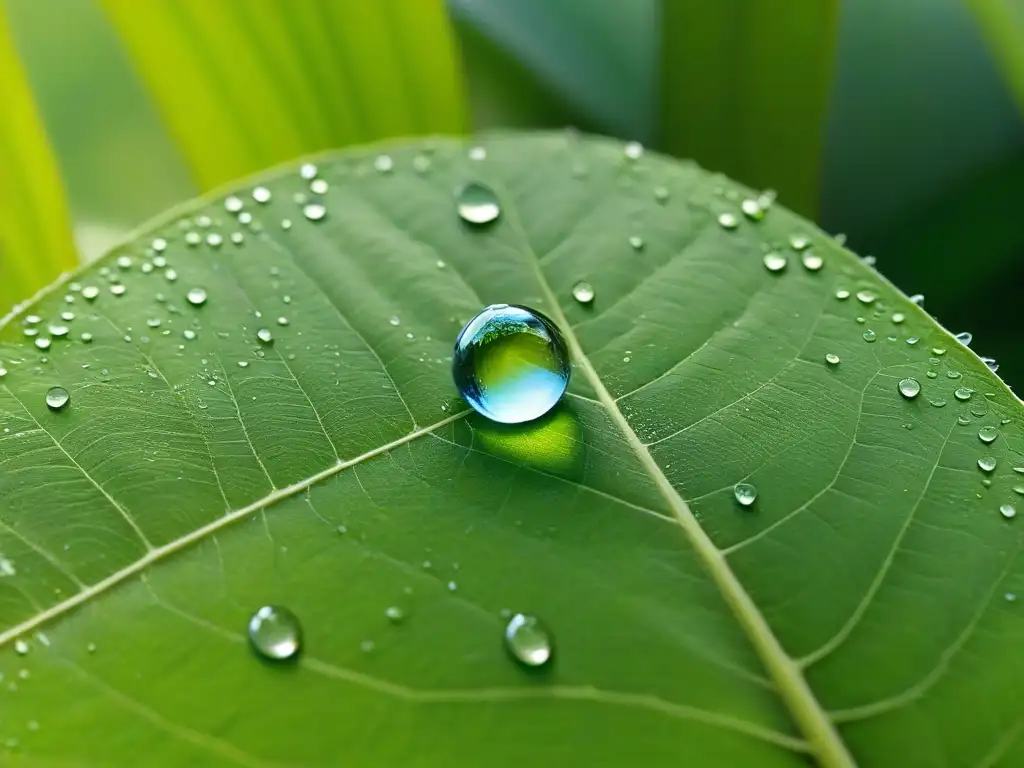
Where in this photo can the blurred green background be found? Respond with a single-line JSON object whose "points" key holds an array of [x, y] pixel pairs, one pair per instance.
{"points": [[898, 124]]}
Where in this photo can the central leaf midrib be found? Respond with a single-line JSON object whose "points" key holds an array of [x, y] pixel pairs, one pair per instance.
{"points": [[793, 688]]}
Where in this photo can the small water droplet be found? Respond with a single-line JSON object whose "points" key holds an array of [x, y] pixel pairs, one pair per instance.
{"points": [[987, 464], [383, 164], [193, 239], [963, 419], [196, 297], [842, 294], [988, 434], [58, 331], [261, 195], [636, 242], [912, 340], [511, 363], [832, 359], [909, 388], [20, 647], [583, 292], [774, 262], [745, 493], [869, 335], [367, 646], [528, 641], [633, 150], [43, 342], [421, 164], [318, 186], [314, 211], [965, 338], [953, 374], [812, 262], [90, 292], [1008, 511], [265, 336], [307, 171], [931, 374], [963, 394], [661, 194], [189, 334], [282, 320], [159, 245], [799, 242], [394, 321], [214, 240], [991, 363], [233, 204], [394, 614], [728, 221], [57, 398], [938, 402], [477, 153], [752, 209], [898, 317], [170, 275], [275, 633], [1019, 490], [477, 204], [118, 289], [866, 297]]}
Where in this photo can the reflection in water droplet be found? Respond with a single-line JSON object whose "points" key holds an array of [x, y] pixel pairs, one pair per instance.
{"points": [[987, 464], [869, 335], [528, 641], [57, 398], [1008, 511], [910, 388], [583, 292], [728, 221], [774, 262], [314, 211], [511, 363], [963, 394], [744, 493], [832, 359], [477, 204], [965, 338], [988, 434], [196, 297], [275, 633], [866, 297], [812, 262]]}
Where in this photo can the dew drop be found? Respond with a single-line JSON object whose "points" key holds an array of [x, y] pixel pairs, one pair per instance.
{"points": [[910, 388], [282, 320], [931, 374], [752, 209], [987, 464], [265, 336], [799, 242], [314, 211], [728, 221], [991, 363], [308, 171], [57, 398], [43, 342], [938, 403], [963, 419], [963, 394], [988, 434], [196, 297], [510, 363], [1008, 511], [812, 262], [636, 242], [58, 331], [774, 262], [918, 299], [528, 641], [842, 294], [318, 186], [21, 647], [275, 633], [633, 150], [193, 239], [898, 317], [477, 153], [421, 163], [189, 334], [869, 335], [394, 614], [965, 338], [661, 194], [233, 204], [237, 238], [118, 289], [214, 240], [477, 204], [866, 297], [159, 245], [383, 164], [745, 493], [832, 358], [583, 292], [90, 292]]}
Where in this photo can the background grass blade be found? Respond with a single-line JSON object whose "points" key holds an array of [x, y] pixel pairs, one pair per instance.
{"points": [[1002, 21], [35, 237], [246, 85], [745, 89]]}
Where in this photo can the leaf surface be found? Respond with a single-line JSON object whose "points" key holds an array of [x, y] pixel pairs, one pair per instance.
{"points": [[862, 609]]}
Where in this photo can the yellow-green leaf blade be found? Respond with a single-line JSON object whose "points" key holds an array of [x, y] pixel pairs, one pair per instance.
{"points": [[246, 85], [1002, 21], [35, 233], [745, 89]]}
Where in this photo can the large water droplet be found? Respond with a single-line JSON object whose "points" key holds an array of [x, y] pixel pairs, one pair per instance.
{"points": [[988, 434], [910, 388], [57, 398], [774, 262], [511, 363], [477, 203], [196, 297], [1008, 511], [583, 292], [987, 464], [528, 640], [275, 633], [265, 336], [745, 493]]}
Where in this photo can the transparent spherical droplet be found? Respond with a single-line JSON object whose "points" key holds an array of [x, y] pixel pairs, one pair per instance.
{"points": [[990, 363], [937, 403], [511, 363], [57, 398], [918, 299], [90, 292], [832, 358], [812, 261], [745, 494], [774, 262], [383, 164], [909, 388], [58, 331], [193, 239], [842, 294], [728, 221], [275, 633], [799, 242], [583, 292], [965, 338], [869, 335], [528, 640], [661, 194], [963, 393], [43, 342], [987, 464], [866, 297], [1008, 511], [314, 211], [633, 150], [196, 297], [118, 289], [233, 204], [752, 209], [265, 336], [318, 186], [636, 242], [214, 240], [477, 153], [261, 195], [477, 204], [898, 317], [308, 171], [988, 434], [394, 614]]}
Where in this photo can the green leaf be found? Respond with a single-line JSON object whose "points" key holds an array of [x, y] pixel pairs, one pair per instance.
{"points": [[745, 88], [1002, 22], [861, 608], [246, 85], [35, 234]]}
